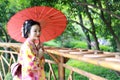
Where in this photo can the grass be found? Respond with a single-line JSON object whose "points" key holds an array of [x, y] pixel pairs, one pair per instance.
{"points": [[97, 70]]}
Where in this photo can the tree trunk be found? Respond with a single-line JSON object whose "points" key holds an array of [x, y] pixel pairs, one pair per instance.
{"points": [[93, 27], [85, 32], [108, 24]]}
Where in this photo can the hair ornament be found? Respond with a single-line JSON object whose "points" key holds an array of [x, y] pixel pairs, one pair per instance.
{"points": [[26, 22]]}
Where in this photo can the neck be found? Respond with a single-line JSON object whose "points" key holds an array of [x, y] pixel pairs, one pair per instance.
{"points": [[34, 41], [31, 39]]}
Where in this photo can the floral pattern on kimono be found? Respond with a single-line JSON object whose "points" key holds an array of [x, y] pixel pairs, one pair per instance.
{"points": [[32, 64]]}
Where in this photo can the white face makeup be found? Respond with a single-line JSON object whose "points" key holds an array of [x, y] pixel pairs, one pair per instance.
{"points": [[34, 32]]}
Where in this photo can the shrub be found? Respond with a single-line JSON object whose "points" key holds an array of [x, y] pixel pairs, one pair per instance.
{"points": [[76, 44], [106, 48], [52, 43]]}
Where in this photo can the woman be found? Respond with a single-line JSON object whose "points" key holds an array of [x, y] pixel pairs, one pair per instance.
{"points": [[31, 55]]}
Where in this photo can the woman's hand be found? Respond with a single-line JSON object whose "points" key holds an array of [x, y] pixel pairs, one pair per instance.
{"points": [[40, 49], [40, 46]]}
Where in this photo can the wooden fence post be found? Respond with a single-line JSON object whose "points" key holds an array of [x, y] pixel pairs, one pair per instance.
{"points": [[61, 69]]}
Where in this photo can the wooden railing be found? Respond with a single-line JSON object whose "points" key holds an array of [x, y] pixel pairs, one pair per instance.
{"points": [[60, 56]]}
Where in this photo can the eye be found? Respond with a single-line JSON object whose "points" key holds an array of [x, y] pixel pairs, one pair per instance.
{"points": [[35, 31]]}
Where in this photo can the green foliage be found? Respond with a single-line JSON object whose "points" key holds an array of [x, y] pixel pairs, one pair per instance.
{"points": [[106, 48], [8, 76], [76, 44], [97, 70], [52, 43]]}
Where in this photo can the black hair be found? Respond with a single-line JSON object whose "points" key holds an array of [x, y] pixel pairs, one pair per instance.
{"points": [[27, 27]]}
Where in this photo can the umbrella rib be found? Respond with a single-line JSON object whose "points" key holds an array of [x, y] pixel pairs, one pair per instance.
{"points": [[26, 16], [46, 33], [47, 13], [56, 17], [42, 12], [48, 16], [59, 18], [56, 21], [55, 13]]}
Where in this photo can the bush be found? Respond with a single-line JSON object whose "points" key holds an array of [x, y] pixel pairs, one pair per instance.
{"points": [[76, 44], [52, 43], [106, 48]]}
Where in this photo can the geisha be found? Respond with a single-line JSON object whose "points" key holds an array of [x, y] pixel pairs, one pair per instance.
{"points": [[31, 53]]}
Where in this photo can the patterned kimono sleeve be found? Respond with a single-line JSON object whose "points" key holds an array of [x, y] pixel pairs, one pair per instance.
{"points": [[28, 57], [29, 53], [20, 56]]}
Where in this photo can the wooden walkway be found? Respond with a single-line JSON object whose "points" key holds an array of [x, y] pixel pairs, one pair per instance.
{"points": [[62, 55]]}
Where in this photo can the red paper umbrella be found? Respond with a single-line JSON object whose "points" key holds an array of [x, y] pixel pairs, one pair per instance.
{"points": [[52, 21]]}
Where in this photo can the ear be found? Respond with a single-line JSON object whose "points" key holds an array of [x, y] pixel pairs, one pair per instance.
{"points": [[28, 34]]}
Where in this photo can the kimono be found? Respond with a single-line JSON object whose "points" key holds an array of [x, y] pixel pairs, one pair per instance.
{"points": [[32, 64]]}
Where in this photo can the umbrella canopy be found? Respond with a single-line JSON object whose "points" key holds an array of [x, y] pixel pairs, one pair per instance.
{"points": [[53, 22]]}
